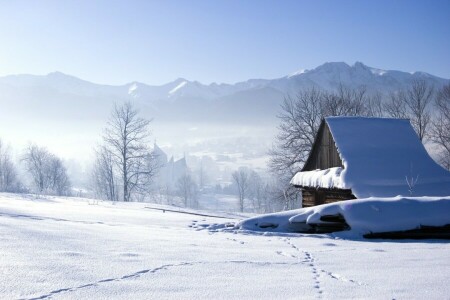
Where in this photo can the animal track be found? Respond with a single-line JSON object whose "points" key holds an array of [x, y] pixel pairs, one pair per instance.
{"points": [[133, 275], [309, 260], [237, 241], [149, 271], [201, 226], [211, 227], [40, 218], [285, 254], [341, 278]]}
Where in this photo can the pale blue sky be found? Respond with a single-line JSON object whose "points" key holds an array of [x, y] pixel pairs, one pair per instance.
{"points": [[219, 40]]}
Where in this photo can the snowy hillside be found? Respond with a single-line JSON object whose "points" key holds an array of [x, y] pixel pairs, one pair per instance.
{"points": [[77, 249]]}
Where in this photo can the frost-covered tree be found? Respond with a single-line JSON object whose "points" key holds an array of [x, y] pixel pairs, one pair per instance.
{"points": [[58, 180], [36, 160], [187, 189], [418, 99], [8, 172], [344, 102], [241, 178], [47, 171], [374, 105], [395, 106], [126, 137], [412, 103], [440, 129], [104, 177]]}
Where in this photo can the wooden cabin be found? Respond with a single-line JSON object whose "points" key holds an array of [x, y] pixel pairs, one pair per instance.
{"points": [[358, 157], [323, 155]]}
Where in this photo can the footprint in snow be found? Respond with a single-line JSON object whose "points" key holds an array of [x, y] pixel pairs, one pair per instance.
{"points": [[129, 254]]}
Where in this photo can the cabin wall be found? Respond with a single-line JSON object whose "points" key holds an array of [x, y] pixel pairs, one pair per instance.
{"points": [[324, 154], [313, 197]]}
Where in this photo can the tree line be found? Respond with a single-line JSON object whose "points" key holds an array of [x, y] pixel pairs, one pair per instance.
{"points": [[45, 171]]}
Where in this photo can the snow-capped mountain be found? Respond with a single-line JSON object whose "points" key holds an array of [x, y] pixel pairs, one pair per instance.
{"points": [[254, 99], [326, 76]]}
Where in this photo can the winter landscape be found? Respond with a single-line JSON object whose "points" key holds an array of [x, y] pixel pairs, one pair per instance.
{"points": [[303, 152], [68, 249]]}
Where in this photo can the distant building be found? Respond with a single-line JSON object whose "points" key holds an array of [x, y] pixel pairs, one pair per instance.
{"points": [[357, 157], [170, 170]]}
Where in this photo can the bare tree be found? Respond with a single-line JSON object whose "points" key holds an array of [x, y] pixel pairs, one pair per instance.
{"points": [[374, 105], [259, 193], [440, 130], [103, 175], [256, 191], [47, 171], [8, 172], [412, 103], [300, 119], [395, 106], [126, 138], [345, 102], [58, 181], [242, 179], [202, 174], [418, 99], [36, 160], [187, 189]]}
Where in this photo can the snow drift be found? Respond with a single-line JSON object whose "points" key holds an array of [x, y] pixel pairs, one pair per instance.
{"points": [[363, 216]]}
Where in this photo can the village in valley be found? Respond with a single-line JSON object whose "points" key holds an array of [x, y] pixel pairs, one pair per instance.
{"points": [[330, 182]]}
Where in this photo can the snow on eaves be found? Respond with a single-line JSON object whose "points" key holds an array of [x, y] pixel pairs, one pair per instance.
{"points": [[328, 178]]}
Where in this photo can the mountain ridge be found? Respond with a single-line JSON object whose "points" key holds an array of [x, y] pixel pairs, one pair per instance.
{"points": [[325, 76], [254, 101], [74, 111]]}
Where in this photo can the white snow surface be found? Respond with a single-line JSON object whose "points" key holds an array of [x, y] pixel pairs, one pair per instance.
{"points": [[183, 83], [72, 248], [379, 156], [371, 215]]}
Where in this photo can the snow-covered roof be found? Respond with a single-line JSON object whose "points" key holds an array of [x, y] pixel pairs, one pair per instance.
{"points": [[380, 156]]}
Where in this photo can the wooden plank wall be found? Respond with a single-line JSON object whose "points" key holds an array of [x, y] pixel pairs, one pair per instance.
{"points": [[313, 197], [324, 154]]}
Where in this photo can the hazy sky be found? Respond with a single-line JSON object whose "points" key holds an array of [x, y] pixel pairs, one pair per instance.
{"points": [[223, 41]]}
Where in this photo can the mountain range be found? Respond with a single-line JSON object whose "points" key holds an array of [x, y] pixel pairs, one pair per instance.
{"points": [[247, 101], [189, 100], [67, 113]]}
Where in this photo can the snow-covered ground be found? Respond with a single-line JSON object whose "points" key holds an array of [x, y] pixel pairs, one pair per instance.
{"points": [[363, 216], [72, 248]]}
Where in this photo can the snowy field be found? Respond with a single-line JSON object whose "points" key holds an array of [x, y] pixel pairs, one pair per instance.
{"points": [[73, 249]]}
